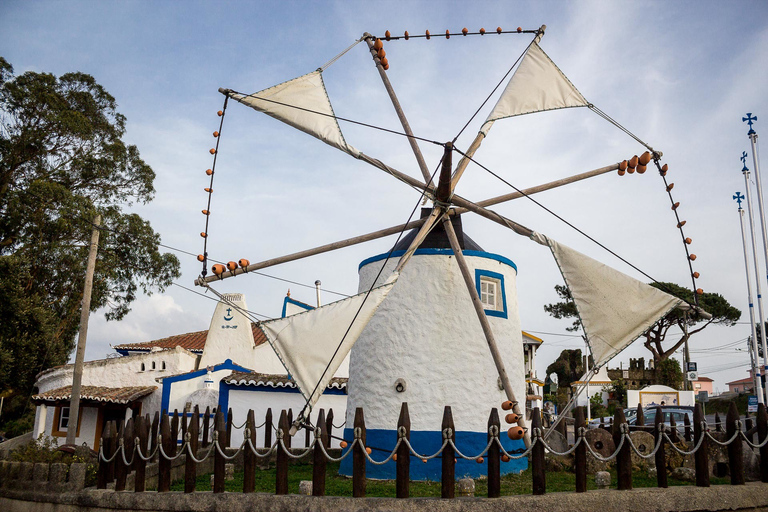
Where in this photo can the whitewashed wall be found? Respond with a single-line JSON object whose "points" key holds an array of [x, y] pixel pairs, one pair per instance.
{"points": [[427, 333], [241, 399]]}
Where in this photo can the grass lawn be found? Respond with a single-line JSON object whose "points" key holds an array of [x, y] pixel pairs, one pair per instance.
{"points": [[561, 481]]}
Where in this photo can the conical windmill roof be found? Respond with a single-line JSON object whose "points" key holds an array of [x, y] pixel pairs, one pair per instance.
{"points": [[437, 239]]}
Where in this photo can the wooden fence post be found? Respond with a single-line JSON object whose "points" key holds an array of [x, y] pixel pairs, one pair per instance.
{"points": [[538, 471], [494, 456], [580, 454], [268, 429], [281, 478], [403, 474], [184, 425], [164, 465], [624, 457], [749, 431], [102, 477], [206, 418], [660, 458], [288, 437], [562, 427], [249, 458], [122, 469], [230, 419], [142, 432], [701, 457], [155, 431], [735, 453], [190, 467], [358, 457], [119, 470], [674, 434], [329, 427], [762, 433], [687, 423], [319, 461], [448, 479], [640, 418], [718, 423], [220, 437], [174, 433]]}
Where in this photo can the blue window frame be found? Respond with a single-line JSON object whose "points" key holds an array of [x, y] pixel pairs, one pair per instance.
{"points": [[490, 288]]}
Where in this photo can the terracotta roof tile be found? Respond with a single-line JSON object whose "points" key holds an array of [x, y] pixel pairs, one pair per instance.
{"points": [[274, 381], [192, 341], [96, 393]]}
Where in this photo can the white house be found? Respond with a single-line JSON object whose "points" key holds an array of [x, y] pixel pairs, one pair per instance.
{"points": [[175, 374]]}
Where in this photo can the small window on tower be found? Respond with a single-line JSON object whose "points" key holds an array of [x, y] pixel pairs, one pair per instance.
{"points": [[488, 291], [490, 288]]}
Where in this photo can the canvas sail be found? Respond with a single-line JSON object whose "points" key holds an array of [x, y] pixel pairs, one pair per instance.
{"points": [[302, 103], [615, 309], [310, 343], [537, 85]]}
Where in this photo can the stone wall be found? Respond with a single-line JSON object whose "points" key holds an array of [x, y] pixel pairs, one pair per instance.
{"points": [[42, 477]]}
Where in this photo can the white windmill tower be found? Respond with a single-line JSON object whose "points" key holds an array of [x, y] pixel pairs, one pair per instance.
{"points": [[449, 331]]}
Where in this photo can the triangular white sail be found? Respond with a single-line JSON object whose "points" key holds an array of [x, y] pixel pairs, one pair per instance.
{"points": [[615, 309], [538, 84], [302, 103], [308, 343]]}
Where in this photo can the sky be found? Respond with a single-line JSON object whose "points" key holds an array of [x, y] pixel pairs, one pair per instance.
{"points": [[679, 75]]}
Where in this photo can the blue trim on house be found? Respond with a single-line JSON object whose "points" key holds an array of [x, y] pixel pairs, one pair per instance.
{"points": [[167, 382], [427, 442], [225, 388], [494, 275], [444, 252], [289, 300]]}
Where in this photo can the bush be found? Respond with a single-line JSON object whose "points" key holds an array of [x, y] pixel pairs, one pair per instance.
{"points": [[21, 425]]}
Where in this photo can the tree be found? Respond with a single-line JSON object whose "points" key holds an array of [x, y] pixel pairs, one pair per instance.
{"points": [[688, 321], [62, 161], [669, 373], [568, 367], [564, 309]]}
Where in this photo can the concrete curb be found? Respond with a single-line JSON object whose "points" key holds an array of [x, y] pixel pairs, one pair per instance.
{"points": [[753, 496]]}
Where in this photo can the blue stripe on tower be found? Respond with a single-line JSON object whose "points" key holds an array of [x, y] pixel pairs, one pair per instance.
{"points": [[427, 443]]}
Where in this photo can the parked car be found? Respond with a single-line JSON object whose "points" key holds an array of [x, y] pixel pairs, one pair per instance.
{"points": [[676, 412], [628, 414]]}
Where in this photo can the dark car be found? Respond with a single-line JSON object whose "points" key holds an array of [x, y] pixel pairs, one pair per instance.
{"points": [[676, 412]]}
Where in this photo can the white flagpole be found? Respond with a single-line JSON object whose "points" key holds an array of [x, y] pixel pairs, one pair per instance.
{"points": [[752, 134], [758, 384], [758, 287], [586, 372]]}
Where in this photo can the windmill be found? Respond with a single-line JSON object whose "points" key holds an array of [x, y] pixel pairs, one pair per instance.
{"points": [[614, 308]]}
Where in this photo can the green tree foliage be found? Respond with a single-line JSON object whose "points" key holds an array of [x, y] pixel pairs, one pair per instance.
{"points": [[568, 367], [669, 373], [618, 392], [62, 161], [721, 312], [596, 406], [713, 303], [564, 309]]}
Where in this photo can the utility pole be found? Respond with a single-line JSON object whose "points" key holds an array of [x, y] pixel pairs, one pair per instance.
{"points": [[77, 377]]}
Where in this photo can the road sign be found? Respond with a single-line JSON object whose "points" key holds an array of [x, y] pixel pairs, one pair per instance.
{"points": [[752, 403], [692, 375], [703, 397], [692, 367]]}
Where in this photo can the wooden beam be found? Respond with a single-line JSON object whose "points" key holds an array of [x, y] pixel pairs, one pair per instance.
{"points": [[485, 325], [398, 110], [413, 224]]}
